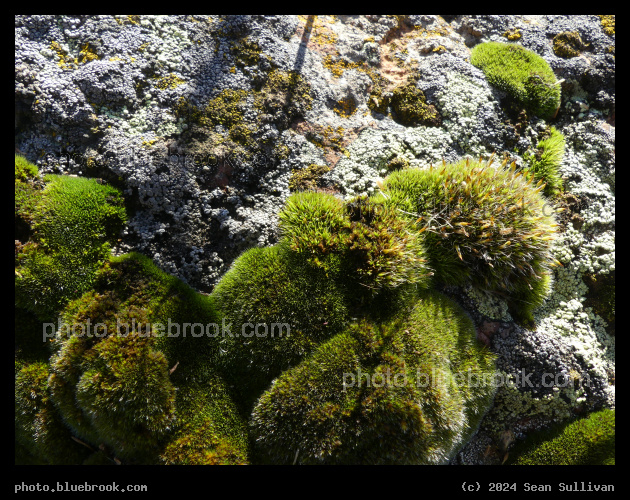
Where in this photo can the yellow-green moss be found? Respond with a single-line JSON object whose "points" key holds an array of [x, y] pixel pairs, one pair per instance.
{"points": [[608, 24], [306, 178], [170, 81], [513, 34], [567, 44]]}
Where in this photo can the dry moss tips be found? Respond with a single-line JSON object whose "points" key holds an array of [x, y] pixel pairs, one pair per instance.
{"points": [[487, 226], [393, 392], [521, 73]]}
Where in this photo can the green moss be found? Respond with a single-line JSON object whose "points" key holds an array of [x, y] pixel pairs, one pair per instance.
{"points": [[122, 382], [409, 405], [74, 222], [521, 73], [360, 240], [246, 52], [39, 430], [567, 44], [544, 164], [601, 297], [484, 225], [285, 95], [209, 429], [587, 441], [409, 107], [297, 307]]}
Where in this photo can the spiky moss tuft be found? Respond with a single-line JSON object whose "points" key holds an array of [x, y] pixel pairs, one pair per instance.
{"points": [[74, 223], [567, 44], [544, 164], [306, 179], [394, 392], [280, 308], [27, 196], [210, 430], [409, 107], [587, 441], [361, 242], [116, 385], [484, 225], [41, 437], [521, 73]]}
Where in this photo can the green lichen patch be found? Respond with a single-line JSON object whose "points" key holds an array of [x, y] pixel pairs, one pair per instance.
{"points": [[484, 225], [409, 107], [587, 441], [608, 24], [545, 162], [521, 73], [306, 179], [568, 44], [380, 393]]}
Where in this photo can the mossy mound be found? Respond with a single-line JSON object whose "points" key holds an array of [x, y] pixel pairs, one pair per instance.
{"points": [[409, 390], [521, 73], [277, 309], [587, 441], [365, 244], [487, 226], [567, 44], [40, 434], [72, 223], [126, 357]]}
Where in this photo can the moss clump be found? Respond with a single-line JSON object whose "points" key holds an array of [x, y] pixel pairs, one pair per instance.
{"points": [[74, 221], [521, 73], [567, 44], [307, 178], [27, 196], [601, 297], [285, 96], [587, 441], [380, 393], [126, 358], [409, 107], [397, 163], [484, 225], [544, 164], [39, 431], [210, 432], [359, 241], [296, 306]]}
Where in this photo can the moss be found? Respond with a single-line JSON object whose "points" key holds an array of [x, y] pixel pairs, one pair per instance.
{"points": [[74, 223], [130, 340], [27, 196], [345, 107], [397, 163], [409, 405], [484, 225], [297, 307], [285, 95], [521, 73], [587, 441], [39, 430], [567, 44], [210, 431], [544, 164], [361, 242], [409, 107], [307, 178]]}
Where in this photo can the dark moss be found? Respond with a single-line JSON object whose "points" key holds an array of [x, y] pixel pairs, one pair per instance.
{"points": [[409, 107], [307, 178], [379, 393], [567, 44]]}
